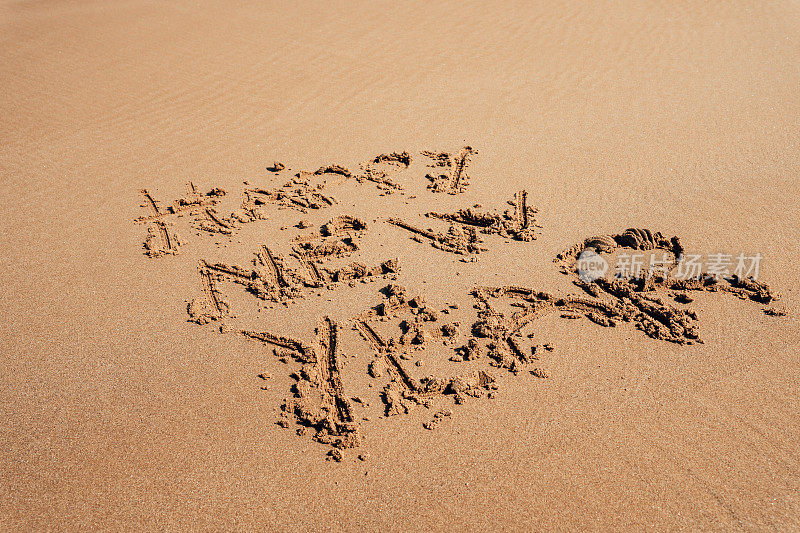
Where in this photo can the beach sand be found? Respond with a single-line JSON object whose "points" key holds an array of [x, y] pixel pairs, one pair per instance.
{"points": [[120, 412]]}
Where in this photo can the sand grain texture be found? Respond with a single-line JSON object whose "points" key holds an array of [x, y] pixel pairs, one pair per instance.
{"points": [[441, 371]]}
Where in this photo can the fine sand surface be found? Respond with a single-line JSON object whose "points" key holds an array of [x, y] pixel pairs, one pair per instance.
{"points": [[160, 366]]}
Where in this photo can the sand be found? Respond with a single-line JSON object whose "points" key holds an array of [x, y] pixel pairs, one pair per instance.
{"points": [[318, 267]]}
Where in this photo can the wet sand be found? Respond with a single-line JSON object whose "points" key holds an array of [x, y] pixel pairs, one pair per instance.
{"points": [[316, 268]]}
